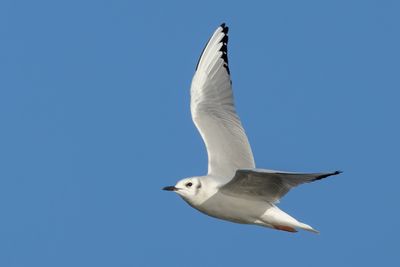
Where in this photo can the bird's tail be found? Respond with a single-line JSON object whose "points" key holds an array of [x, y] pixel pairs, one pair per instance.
{"points": [[307, 228]]}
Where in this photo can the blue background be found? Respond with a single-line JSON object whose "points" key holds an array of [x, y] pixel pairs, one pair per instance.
{"points": [[94, 120]]}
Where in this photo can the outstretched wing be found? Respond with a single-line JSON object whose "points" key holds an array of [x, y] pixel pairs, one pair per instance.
{"points": [[214, 114], [267, 185]]}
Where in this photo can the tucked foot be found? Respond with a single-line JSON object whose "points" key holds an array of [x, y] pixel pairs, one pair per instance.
{"points": [[285, 228]]}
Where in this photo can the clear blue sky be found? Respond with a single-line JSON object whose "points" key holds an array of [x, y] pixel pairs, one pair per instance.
{"points": [[94, 120]]}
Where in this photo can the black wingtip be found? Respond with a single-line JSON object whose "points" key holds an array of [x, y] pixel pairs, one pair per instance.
{"points": [[224, 47], [225, 28], [322, 176]]}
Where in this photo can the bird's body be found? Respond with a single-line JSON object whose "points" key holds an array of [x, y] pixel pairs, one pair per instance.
{"points": [[233, 209], [233, 190], [236, 209]]}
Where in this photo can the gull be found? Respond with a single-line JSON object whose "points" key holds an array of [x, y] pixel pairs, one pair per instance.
{"points": [[234, 189]]}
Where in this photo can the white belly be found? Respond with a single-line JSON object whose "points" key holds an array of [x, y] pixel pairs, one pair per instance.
{"points": [[233, 209]]}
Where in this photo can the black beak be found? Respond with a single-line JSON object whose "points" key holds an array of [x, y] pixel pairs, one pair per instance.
{"points": [[170, 188]]}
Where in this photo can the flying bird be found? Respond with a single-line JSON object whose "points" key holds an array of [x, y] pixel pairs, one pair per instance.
{"points": [[234, 189]]}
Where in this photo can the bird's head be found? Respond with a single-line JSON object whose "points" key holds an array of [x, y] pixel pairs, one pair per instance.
{"points": [[187, 188]]}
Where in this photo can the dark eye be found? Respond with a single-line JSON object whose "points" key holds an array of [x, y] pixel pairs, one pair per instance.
{"points": [[189, 184]]}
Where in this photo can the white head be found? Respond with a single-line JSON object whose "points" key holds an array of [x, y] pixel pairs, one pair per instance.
{"points": [[187, 188]]}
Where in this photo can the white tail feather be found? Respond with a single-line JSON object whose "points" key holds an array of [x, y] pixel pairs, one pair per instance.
{"points": [[308, 228]]}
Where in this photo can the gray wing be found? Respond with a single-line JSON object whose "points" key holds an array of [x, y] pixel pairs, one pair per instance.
{"points": [[213, 111], [268, 185]]}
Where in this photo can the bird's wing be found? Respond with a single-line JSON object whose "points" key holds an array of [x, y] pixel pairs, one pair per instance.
{"points": [[268, 185], [214, 114]]}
